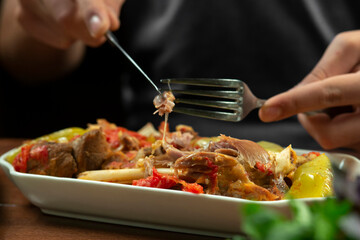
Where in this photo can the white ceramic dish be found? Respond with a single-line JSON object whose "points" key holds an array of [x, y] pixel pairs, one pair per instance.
{"points": [[140, 206]]}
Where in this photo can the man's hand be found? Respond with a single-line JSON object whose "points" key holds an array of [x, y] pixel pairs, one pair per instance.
{"points": [[59, 23], [334, 82], [42, 40]]}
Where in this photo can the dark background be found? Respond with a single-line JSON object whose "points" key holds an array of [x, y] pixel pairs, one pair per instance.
{"points": [[269, 45]]}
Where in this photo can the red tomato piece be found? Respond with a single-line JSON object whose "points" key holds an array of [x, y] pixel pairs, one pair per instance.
{"points": [[165, 181], [192, 187], [157, 180], [20, 161], [40, 153], [213, 174], [112, 137], [264, 168]]}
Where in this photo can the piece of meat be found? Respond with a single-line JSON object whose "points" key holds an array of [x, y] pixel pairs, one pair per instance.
{"points": [[91, 150], [117, 160], [251, 155], [164, 103], [128, 143], [180, 140], [231, 167], [207, 168], [248, 152], [227, 151], [186, 129], [251, 191], [200, 159], [222, 174], [165, 155], [51, 158]]}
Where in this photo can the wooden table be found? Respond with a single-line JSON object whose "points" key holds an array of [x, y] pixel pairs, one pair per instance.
{"points": [[19, 219]]}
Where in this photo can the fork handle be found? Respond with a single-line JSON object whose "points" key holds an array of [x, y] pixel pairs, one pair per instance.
{"points": [[260, 103], [332, 111]]}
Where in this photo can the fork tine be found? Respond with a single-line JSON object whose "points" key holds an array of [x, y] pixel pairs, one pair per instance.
{"points": [[235, 95], [210, 82], [225, 116], [229, 105]]}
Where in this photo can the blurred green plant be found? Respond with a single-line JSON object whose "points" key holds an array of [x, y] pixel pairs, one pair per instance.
{"points": [[319, 221]]}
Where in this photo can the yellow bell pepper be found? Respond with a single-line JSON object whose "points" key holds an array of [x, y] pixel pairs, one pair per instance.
{"points": [[312, 179], [63, 135], [270, 146]]}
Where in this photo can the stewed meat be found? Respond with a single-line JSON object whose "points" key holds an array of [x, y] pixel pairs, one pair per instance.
{"points": [[231, 167], [91, 150], [50, 158]]}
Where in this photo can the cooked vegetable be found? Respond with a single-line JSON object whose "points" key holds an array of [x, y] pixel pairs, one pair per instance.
{"points": [[270, 146], [66, 135], [313, 179], [119, 175]]}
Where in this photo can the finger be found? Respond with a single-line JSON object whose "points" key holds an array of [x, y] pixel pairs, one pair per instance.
{"points": [[114, 21], [336, 91], [355, 146], [356, 68], [85, 20], [43, 31], [115, 5], [114, 8], [36, 7], [341, 131], [342, 55], [96, 17]]}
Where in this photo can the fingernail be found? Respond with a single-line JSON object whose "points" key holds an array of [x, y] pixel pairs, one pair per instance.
{"points": [[94, 25], [271, 113]]}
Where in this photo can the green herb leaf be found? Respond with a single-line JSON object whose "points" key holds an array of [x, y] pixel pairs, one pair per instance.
{"points": [[319, 221]]}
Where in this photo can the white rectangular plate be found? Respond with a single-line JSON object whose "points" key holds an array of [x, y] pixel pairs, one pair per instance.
{"points": [[143, 207]]}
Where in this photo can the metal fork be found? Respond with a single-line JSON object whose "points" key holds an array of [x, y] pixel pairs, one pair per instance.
{"points": [[234, 98]]}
